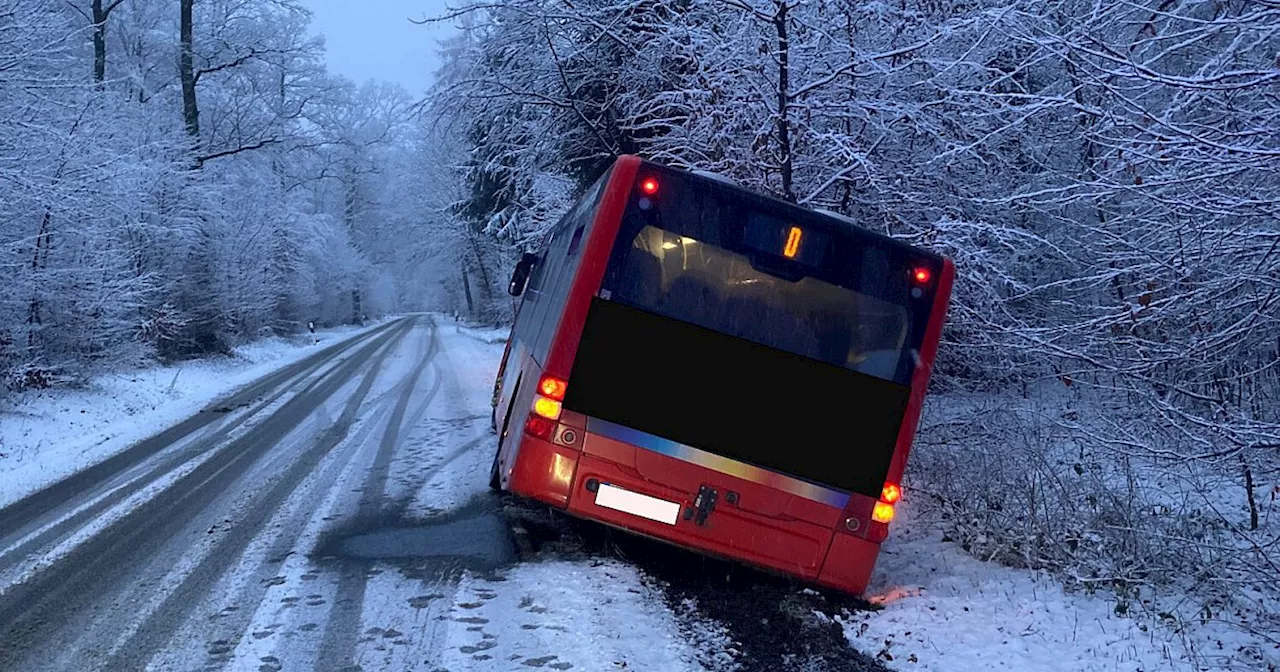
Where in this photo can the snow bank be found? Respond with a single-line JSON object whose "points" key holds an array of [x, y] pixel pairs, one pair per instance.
{"points": [[47, 435], [947, 611], [485, 334]]}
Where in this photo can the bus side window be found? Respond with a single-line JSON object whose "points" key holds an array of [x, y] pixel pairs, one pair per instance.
{"points": [[565, 258], [532, 300], [552, 260], [576, 240]]}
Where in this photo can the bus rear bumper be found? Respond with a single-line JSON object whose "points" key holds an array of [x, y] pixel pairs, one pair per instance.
{"points": [[794, 548], [558, 476]]}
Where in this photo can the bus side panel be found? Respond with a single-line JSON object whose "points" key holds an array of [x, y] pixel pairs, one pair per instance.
{"points": [[528, 371], [595, 258], [920, 381], [508, 377]]}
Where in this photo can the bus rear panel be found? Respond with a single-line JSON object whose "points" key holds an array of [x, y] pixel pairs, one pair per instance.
{"points": [[745, 377]]}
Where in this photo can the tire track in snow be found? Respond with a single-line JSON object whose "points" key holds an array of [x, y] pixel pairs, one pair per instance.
{"points": [[155, 632], [198, 447], [20, 514], [338, 648], [48, 601], [249, 608]]}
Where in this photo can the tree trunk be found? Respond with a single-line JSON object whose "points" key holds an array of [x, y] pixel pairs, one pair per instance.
{"points": [[100, 13], [38, 261], [484, 273], [1248, 488], [186, 69], [466, 291], [99, 42], [784, 99]]}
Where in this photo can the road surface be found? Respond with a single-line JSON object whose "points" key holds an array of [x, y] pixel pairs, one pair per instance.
{"points": [[334, 516]]}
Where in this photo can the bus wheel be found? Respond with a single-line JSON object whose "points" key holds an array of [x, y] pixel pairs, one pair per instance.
{"points": [[495, 482]]}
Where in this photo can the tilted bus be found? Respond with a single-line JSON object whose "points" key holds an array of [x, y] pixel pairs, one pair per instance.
{"points": [[718, 369]]}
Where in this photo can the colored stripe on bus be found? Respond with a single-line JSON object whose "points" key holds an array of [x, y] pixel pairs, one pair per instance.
{"points": [[718, 463]]}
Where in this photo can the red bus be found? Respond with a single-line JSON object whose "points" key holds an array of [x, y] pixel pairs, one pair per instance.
{"points": [[718, 369]]}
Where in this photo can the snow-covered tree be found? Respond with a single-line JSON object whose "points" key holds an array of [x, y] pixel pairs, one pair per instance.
{"points": [[178, 177], [1105, 177]]}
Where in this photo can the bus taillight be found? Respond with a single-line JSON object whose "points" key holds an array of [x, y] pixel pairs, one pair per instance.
{"points": [[553, 387], [891, 493], [547, 408], [921, 275], [649, 186], [882, 513], [548, 403]]}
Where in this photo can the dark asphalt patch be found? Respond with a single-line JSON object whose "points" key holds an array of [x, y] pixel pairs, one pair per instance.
{"points": [[778, 624], [475, 536]]}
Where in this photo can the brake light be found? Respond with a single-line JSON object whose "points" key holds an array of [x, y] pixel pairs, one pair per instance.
{"points": [[921, 275], [649, 186], [547, 408], [891, 493], [553, 387], [882, 513], [540, 427]]}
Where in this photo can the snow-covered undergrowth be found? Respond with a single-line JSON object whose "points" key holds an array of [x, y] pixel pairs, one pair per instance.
{"points": [[1064, 481], [47, 435], [946, 611]]}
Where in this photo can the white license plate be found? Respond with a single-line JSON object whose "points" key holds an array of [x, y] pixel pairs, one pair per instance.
{"points": [[636, 504]]}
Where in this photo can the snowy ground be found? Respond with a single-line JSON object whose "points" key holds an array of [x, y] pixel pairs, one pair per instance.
{"points": [[342, 521], [338, 519], [46, 435], [945, 611]]}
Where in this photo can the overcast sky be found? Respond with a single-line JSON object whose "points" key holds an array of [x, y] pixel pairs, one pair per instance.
{"points": [[373, 39]]}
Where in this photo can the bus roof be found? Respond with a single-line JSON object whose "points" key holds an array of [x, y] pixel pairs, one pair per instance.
{"points": [[832, 222]]}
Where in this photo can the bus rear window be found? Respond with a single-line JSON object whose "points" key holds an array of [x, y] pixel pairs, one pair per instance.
{"points": [[688, 279]]}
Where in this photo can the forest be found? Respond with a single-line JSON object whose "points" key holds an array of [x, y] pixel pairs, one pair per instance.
{"points": [[1105, 175], [177, 178]]}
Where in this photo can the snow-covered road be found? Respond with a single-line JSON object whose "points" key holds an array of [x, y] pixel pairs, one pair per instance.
{"points": [[332, 516]]}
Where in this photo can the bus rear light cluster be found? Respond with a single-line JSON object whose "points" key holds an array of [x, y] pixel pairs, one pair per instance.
{"points": [[649, 186], [883, 512], [548, 403], [921, 275], [553, 387]]}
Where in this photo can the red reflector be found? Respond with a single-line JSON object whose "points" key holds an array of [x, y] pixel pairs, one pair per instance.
{"points": [[877, 532], [891, 493], [921, 275], [649, 186], [540, 427], [553, 387]]}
